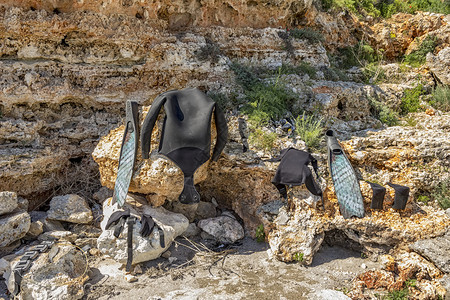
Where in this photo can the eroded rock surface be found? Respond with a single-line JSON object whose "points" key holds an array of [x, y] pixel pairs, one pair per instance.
{"points": [[8, 202], [13, 227]]}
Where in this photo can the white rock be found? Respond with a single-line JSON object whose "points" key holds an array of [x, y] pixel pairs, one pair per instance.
{"points": [[223, 228], [60, 279], [144, 249], [13, 227], [70, 208], [8, 202]]}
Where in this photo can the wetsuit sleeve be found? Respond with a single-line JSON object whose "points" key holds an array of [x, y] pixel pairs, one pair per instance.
{"points": [[222, 132], [149, 123]]}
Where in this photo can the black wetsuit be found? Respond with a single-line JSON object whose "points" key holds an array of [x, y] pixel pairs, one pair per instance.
{"points": [[186, 133]]}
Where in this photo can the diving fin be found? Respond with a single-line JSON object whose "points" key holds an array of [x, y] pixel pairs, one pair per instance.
{"points": [[401, 195], [346, 185], [127, 153], [378, 193]]}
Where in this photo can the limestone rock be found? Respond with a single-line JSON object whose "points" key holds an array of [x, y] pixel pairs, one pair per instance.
{"points": [[187, 210], [300, 237], [70, 208], [8, 202], [102, 194], [205, 210], [437, 250], [395, 37], [144, 249], [224, 229], [36, 228], [59, 273], [440, 65], [13, 227]]}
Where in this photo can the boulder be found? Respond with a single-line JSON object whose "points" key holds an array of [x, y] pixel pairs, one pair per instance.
{"points": [[59, 274], [437, 250], [205, 210], [144, 248], [298, 235], [224, 228], [13, 227], [8, 202], [70, 208]]}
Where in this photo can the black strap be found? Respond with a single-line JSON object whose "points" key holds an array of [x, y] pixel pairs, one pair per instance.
{"points": [[130, 222]]}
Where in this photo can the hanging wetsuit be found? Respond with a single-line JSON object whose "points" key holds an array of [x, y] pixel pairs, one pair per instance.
{"points": [[186, 133], [293, 170]]}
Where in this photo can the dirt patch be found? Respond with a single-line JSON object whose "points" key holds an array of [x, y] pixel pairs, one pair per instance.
{"points": [[242, 271]]}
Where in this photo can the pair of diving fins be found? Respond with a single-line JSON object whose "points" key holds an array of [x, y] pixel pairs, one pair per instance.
{"points": [[346, 184]]}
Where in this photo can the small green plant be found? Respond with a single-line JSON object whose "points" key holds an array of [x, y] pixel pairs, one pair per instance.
{"points": [[309, 129], [441, 98], [398, 295], [308, 34], [424, 199], [383, 113], [418, 56], [298, 256], [410, 102], [261, 139], [441, 194], [260, 234], [410, 121]]}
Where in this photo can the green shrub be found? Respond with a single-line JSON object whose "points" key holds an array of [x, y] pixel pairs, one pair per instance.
{"points": [[260, 234], [244, 76], [410, 102], [418, 56], [441, 98], [262, 139], [306, 33], [442, 194], [309, 129], [383, 113]]}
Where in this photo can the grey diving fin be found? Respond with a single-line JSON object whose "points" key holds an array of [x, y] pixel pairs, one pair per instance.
{"points": [[345, 182], [128, 153]]}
